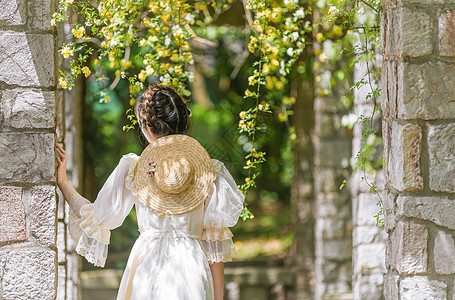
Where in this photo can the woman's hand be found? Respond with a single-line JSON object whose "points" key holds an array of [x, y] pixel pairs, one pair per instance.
{"points": [[61, 168]]}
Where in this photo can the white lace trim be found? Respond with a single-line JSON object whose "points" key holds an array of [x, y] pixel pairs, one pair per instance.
{"points": [[92, 239], [216, 234], [219, 251], [94, 251]]}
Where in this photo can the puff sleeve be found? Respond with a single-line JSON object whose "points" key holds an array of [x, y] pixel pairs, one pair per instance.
{"points": [[90, 223], [223, 208]]}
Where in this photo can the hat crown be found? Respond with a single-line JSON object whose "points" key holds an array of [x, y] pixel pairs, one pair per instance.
{"points": [[173, 174]]}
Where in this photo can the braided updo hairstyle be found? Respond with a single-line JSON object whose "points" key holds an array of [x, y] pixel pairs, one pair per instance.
{"points": [[163, 110]]}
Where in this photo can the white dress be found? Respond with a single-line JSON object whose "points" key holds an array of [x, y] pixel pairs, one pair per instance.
{"points": [[170, 259]]}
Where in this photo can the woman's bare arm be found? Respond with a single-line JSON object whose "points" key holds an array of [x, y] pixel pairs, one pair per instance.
{"points": [[65, 186], [218, 279]]}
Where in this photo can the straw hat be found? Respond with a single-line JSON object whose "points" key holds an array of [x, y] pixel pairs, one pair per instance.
{"points": [[174, 173]]}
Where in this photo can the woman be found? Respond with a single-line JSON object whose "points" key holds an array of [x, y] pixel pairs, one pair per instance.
{"points": [[184, 201]]}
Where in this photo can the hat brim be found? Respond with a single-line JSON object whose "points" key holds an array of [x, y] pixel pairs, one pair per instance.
{"points": [[174, 147]]}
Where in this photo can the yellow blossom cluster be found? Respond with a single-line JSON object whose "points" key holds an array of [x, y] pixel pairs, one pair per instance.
{"points": [[79, 32], [67, 51]]}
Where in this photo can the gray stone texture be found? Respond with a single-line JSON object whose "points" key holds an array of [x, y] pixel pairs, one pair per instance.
{"points": [[437, 209], [40, 14], [444, 253], [28, 108], [409, 248], [416, 33], [441, 148], [43, 211], [403, 157], [422, 288], [25, 59], [447, 33], [391, 289], [12, 215], [27, 157], [13, 12], [427, 91], [28, 274]]}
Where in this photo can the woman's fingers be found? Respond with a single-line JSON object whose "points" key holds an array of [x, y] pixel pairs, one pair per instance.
{"points": [[61, 154]]}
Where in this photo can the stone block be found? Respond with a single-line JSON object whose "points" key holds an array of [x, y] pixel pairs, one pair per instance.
{"points": [[331, 228], [441, 144], [12, 215], [409, 242], [333, 205], [447, 33], [28, 108], [73, 266], [61, 242], [43, 219], [367, 235], [365, 208], [27, 59], [335, 153], [422, 288], [40, 14], [403, 161], [13, 12], [416, 33], [370, 259], [444, 253], [28, 274], [427, 91], [61, 286], [27, 158], [439, 210], [391, 288], [369, 287], [337, 250]]}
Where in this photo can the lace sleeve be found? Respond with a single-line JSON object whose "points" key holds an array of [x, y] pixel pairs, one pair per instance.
{"points": [[225, 203]]}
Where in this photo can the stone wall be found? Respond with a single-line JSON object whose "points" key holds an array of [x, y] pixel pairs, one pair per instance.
{"points": [[69, 135], [368, 240], [28, 203], [418, 107], [302, 255], [332, 153]]}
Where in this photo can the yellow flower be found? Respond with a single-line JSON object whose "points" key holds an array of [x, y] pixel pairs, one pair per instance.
{"points": [[106, 99], [63, 82], [86, 71], [67, 52], [247, 180], [68, 2], [142, 42], [251, 80], [242, 115], [242, 124], [149, 70], [141, 75], [53, 22], [322, 57], [79, 33]]}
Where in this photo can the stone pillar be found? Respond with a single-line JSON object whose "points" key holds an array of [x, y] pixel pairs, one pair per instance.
{"points": [[69, 135], [28, 203], [332, 150], [302, 255], [418, 94], [368, 253]]}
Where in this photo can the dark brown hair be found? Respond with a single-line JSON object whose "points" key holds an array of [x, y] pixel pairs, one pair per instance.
{"points": [[163, 110]]}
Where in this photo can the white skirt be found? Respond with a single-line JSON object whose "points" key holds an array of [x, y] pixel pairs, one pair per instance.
{"points": [[166, 268]]}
